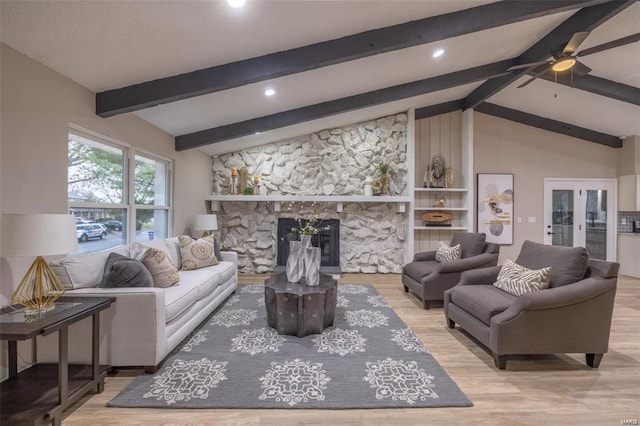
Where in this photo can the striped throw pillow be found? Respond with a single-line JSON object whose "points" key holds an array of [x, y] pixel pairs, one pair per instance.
{"points": [[445, 254], [516, 279]]}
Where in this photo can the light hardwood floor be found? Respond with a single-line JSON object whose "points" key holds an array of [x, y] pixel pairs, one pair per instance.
{"points": [[534, 390]]}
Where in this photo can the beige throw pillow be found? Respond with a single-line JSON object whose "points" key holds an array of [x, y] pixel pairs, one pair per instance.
{"points": [[516, 279], [164, 273], [445, 254], [196, 254]]}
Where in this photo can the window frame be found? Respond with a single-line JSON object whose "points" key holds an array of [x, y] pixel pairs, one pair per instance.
{"points": [[128, 175]]}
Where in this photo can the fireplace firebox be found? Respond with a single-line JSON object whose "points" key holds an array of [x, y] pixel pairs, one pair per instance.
{"points": [[327, 239]]}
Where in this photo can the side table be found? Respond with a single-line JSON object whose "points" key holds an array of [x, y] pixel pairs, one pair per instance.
{"points": [[30, 396], [297, 309]]}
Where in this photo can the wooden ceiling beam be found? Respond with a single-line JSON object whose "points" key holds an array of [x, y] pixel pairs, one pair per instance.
{"points": [[313, 56], [585, 19], [337, 106], [549, 124]]}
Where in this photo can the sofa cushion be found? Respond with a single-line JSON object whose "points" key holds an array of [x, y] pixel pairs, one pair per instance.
{"points": [[472, 243], [568, 264], [418, 270], [173, 245], [481, 301], [179, 298], [85, 270], [121, 271], [196, 254], [205, 280], [446, 253], [516, 279], [164, 273]]}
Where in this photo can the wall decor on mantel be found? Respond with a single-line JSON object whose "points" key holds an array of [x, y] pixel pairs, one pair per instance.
{"points": [[330, 162]]}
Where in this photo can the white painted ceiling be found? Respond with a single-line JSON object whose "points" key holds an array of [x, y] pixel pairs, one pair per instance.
{"points": [[105, 45]]}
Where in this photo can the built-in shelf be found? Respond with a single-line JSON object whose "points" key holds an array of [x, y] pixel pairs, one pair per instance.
{"points": [[441, 189], [401, 200], [456, 209], [440, 228]]}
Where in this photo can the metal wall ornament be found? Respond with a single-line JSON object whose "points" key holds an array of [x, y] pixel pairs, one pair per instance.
{"points": [[434, 176], [495, 206]]}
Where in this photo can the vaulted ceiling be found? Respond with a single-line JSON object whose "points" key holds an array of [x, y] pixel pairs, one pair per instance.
{"points": [[199, 69]]}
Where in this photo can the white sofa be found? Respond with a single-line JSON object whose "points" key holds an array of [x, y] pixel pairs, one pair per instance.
{"points": [[146, 323]]}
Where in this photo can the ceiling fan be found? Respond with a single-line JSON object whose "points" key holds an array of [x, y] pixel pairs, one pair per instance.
{"points": [[566, 60]]}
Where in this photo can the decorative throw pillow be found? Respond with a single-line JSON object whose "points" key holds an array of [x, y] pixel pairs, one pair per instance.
{"points": [[445, 254], [162, 270], [196, 254], [121, 271], [216, 248], [516, 279]]}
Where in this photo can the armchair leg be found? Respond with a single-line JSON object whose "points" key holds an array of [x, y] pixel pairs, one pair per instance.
{"points": [[451, 323], [500, 361], [406, 289], [593, 360], [425, 304]]}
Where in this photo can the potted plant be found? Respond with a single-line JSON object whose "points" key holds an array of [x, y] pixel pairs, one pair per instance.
{"points": [[383, 169]]}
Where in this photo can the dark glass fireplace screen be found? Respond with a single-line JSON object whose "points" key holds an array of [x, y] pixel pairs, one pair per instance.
{"points": [[327, 240]]}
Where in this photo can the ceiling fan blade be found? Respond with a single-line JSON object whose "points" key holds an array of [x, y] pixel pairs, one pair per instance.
{"points": [[529, 65], [575, 41], [538, 72], [581, 69], [610, 45]]}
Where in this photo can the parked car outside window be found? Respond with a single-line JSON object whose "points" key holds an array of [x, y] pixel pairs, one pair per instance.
{"points": [[113, 225], [90, 230]]}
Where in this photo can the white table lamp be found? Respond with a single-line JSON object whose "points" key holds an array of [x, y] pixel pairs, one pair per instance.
{"points": [[27, 235], [205, 223]]}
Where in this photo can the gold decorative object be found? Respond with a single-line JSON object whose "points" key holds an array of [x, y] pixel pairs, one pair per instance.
{"points": [[448, 177], [39, 288], [233, 190], [256, 185], [244, 179], [28, 235]]}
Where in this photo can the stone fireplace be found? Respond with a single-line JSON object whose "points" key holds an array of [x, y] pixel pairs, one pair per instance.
{"points": [[370, 236]]}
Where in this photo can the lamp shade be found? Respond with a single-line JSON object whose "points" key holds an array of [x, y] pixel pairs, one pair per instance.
{"points": [[205, 222], [38, 234]]}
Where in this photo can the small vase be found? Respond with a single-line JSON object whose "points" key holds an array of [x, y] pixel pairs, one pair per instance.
{"points": [[384, 180], [295, 261], [312, 266]]}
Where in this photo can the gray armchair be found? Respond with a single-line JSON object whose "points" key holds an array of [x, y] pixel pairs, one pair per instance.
{"points": [[428, 279], [572, 316]]}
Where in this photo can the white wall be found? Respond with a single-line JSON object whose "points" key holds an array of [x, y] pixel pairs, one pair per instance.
{"points": [[37, 106], [532, 154]]}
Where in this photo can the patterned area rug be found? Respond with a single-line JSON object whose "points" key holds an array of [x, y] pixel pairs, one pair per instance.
{"points": [[368, 359]]}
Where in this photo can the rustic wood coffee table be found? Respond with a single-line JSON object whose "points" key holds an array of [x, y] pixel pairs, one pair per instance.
{"points": [[296, 309]]}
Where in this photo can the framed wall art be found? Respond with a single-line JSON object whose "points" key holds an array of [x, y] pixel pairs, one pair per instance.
{"points": [[495, 206]]}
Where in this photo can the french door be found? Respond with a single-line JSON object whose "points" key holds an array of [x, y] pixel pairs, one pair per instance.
{"points": [[581, 213]]}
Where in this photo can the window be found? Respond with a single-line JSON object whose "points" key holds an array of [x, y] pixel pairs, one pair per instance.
{"points": [[129, 203]]}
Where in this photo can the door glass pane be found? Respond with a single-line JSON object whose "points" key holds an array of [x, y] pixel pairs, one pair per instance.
{"points": [[562, 223], [596, 224]]}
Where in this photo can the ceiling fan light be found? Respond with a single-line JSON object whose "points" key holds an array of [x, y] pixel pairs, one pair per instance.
{"points": [[563, 64]]}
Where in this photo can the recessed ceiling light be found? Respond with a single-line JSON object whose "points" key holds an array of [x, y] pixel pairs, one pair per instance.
{"points": [[438, 53], [236, 3], [269, 92]]}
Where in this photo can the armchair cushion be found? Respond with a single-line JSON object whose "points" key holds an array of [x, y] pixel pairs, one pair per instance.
{"points": [[446, 253], [472, 243], [418, 270], [481, 301], [568, 264], [516, 279]]}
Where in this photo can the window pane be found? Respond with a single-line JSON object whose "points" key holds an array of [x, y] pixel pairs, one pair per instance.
{"points": [[150, 186], [95, 172], [596, 224], [99, 229], [151, 224], [562, 218]]}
